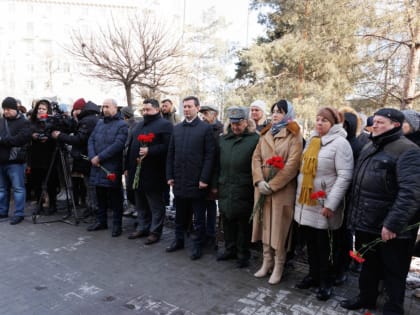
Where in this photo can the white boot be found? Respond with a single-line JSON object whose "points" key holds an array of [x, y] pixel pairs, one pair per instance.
{"points": [[279, 260], [268, 262]]}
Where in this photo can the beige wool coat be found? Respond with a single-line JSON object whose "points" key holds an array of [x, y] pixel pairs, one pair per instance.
{"points": [[278, 207]]}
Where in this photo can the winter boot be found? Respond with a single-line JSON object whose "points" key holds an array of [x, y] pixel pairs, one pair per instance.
{"points": [[268, 263], [279, 260]]}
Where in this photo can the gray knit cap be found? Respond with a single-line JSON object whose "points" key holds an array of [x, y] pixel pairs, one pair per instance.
{"points": [[413, 118]]}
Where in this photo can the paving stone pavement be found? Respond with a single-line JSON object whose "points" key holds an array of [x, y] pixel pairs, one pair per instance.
{"points": [[56, 268]]}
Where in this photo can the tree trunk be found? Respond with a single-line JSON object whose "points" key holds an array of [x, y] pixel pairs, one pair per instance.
{"points": [[128, 94], [409, 91], [301, 67]]}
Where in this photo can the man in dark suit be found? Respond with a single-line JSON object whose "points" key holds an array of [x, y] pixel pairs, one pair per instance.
{"points": [[188, 171], [151, 180]]}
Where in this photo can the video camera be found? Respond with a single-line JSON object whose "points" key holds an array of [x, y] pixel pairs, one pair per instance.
{"points": [[56, 121]]}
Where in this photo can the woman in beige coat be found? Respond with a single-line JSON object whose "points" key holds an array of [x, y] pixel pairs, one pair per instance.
{"points": [[281, 138]]}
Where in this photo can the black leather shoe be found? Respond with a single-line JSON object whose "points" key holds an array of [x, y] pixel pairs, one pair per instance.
{"points": [[116, 231], [226, 255], [357, 303], [176, 245], [16, 220], [307, 282], [97, 226], [340, 279], [242, 263], [196, 253], [324, 293]]}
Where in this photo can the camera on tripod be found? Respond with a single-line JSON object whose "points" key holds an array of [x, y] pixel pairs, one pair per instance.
{"points": [[56, 121]]}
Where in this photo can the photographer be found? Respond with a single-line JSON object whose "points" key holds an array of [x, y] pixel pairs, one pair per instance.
{"points": [[14, 134], [86, 115], [41, 153]]}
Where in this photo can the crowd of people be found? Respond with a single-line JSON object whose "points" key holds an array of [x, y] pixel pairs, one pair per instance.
{"points": [[350, 189]]}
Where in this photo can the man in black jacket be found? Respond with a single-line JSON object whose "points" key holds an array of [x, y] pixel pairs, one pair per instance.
{"points": [[188, 171], [14, 134], [148, 194], [385, 197], [87, 115]]}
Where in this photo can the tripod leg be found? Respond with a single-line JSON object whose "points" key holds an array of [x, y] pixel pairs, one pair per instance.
{"points": [[44, 193], [71, 206]]}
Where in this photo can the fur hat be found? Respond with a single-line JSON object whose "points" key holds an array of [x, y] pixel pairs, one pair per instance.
{"points": [[9, 102]]}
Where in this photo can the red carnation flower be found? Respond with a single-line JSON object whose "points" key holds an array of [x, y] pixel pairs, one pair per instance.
{"points": [[322, 194], [356, 256], [314, 195], [111, 176]]}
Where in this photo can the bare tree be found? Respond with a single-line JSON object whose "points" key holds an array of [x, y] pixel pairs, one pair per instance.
{"points": [[393, 46], [137, 52]]}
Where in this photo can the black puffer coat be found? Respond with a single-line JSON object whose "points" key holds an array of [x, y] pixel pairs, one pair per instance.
{"points": [[88, 118], [190, 158], [414, 137], [152, 174], [386, 186]]}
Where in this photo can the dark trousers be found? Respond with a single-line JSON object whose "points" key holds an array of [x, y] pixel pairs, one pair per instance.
{"points": [[79, 190], [198, 205], [110, 198], [344, 245], [211, 214], [150, 207], [319, 252], [237, 235], [389, 261]]}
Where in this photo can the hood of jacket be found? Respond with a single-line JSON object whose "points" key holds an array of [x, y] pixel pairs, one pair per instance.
{"points": [[350, 125], [89, 109], [335, 131]]}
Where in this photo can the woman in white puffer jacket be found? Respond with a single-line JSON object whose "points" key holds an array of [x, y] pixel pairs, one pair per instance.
{"points": [[327, 165]]}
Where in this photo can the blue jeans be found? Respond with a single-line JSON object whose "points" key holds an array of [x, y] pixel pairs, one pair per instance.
{"points": [[12, 175]]}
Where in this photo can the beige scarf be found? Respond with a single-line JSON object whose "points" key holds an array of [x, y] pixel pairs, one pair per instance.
{"points": [[308, 169]]}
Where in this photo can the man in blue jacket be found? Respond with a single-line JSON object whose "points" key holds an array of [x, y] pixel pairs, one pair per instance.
{"points": [[14, 134], [188, 170], [105, 150]]}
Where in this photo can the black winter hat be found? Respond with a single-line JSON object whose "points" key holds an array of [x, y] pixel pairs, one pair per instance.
{"points": [[9, 102], [391, 113]]}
